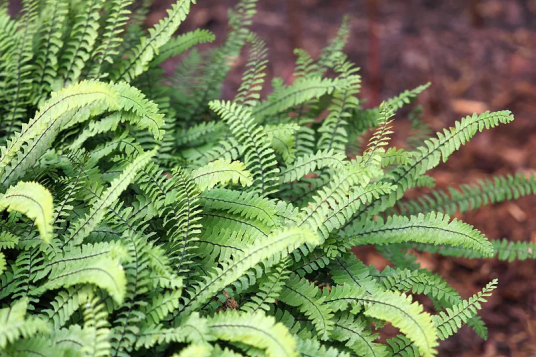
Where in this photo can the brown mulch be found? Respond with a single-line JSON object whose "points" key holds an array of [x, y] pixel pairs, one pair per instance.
{"points": [[479, 55]]}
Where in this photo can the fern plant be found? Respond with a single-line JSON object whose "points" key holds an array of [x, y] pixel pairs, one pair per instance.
{"points": [[145, 216]]}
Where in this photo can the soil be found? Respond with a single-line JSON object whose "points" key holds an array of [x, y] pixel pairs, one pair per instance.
{"points": [[479, 55]]}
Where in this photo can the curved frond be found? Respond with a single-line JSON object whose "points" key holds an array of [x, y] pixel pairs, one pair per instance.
{"points": [[34, 201]]}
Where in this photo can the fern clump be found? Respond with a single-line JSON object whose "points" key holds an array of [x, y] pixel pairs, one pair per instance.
{"points": [[142, 215]]}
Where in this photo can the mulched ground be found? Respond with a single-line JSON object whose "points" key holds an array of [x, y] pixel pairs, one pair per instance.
{"points": [[479, 55]]}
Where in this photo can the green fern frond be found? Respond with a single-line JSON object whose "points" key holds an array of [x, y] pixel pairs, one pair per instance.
{"points": [[34, 201], [396, 308], [282, 139], [330, 54], [15, 324], [269, 289], [435, 149], [434, 228], [259, 156], [307, 164], [253, 77], [306, 297], [65, 303], [353, 332], [96, 326], [419, 282], [182, 43], [83, 226], [333, 129], [300, 92], [110, 39], [17, 87], [254, 329], [470, 197], [313, 348], [331, 213], [221, 171], [447, 323], [246, 204], [81, 41], [148, 47], [278, 245], [50, 43]]}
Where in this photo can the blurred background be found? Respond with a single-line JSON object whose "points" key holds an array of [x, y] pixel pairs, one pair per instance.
{"points": [[479, 55]]}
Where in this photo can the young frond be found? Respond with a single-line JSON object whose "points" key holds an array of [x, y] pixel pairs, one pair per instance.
{"points": [[253, 77], [138, 61], [381, 136], [334, 128], [432, 152], [448, 322], [81, 41]]}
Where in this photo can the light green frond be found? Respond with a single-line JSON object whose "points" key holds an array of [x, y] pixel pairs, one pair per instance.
{"points": [[434, 228], [407, 316], [258, 156], [300, 92], [221, 171], [96, 326], [65, 304], [183, 43], [470, 197], [306, 297], [148, 47], [110, 39], [246, 204], [278, 245], [419, 282], [15, 324], [255, 329], [282, 139], [81, 41], [34, 201], [355, 335], [448, 322], [83, 226], [331, 213], [307, 164]]}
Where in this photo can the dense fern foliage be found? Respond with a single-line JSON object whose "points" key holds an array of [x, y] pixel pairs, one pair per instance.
{"points": [[145, 216]]}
